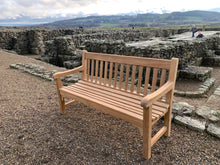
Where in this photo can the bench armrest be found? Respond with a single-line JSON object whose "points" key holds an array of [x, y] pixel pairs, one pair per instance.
{"points": [[68, 72], [149, 99]]}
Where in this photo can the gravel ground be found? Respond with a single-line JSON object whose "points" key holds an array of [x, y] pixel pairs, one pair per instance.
{"points": [[34, 132]]}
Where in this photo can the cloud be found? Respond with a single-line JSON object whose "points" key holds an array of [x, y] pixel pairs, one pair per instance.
{"points": [[55, 8], [40, 8]]}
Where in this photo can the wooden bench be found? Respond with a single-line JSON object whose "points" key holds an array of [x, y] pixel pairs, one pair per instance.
{"points": [[119, 85]]}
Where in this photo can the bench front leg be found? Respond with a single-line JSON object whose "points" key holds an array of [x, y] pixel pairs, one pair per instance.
{"points": [[61, 99], [147, 131]]}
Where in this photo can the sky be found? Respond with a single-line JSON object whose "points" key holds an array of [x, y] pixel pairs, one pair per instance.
{"points": [[12, 9]]}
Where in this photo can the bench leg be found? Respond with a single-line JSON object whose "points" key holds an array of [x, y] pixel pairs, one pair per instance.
{"points": [[167, 122], [167, 117], [62, 105], [61, 99], [147, 132], [141, 131]]}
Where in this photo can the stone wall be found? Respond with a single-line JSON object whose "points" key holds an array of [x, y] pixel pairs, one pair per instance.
{"points": [[64, 50], [61, 46], [187, 51], [32, 41]]}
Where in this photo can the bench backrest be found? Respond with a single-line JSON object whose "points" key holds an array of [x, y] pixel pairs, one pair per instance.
{"points": [[129, 73]]}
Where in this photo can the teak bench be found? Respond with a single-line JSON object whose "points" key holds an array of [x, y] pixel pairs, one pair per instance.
{"points": [[135, 89]]}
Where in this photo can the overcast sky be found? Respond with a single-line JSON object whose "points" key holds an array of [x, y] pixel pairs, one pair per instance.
{"points": [[63, 8]]}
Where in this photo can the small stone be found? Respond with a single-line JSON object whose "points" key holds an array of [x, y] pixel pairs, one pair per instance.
{"points": [[203, 111], [187, 112], [214, 119], [178, 106], [214, 130]]}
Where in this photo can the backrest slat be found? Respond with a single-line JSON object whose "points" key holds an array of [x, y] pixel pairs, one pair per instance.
{"points": [[140, 72], [146, 82], [101, 70], [96, 70], [121, 76], [105, 72], [154, 81], [127, 76], [110, 74], [115, 75], [88, 69], [84, 63], [92, 70], [163, 77], [133, 77]]}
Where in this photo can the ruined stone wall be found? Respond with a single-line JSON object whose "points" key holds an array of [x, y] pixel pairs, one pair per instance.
{"points": [[61, 46], [32, 41], [7, 39], [187, 51], [63, 49]]}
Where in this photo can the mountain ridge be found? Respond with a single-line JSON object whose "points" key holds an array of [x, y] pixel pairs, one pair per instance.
{"points": [[123, 20], [143, 20]]}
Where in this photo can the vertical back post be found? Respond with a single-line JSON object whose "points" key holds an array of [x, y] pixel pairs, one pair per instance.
{"points": [[169, 96], [84, 63]]}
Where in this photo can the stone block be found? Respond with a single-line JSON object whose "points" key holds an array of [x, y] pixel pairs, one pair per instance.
{"points": [[190, 123], [214, 130], [211, 61], [196, 73], [208, 113]]}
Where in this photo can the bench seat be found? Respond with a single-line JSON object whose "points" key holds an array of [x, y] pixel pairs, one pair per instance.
{"points": [[118, 103]]}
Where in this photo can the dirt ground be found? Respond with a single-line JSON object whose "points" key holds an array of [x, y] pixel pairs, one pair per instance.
{"points": [[32, 131]]}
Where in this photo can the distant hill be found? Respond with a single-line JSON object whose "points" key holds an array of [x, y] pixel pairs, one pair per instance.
{"points": [[142, 20]]}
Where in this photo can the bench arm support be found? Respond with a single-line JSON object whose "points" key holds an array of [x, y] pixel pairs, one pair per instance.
{"points": [[149, 99], [68, 72]]}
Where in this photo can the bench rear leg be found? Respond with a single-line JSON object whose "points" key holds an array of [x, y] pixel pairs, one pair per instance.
{"points": [[167, 122], [62, 105], [167, 117]]}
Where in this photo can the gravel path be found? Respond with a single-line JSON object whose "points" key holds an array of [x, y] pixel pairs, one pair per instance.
{"points": [[32, 131]]}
